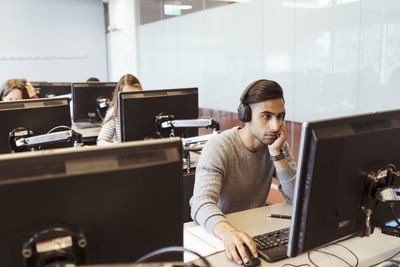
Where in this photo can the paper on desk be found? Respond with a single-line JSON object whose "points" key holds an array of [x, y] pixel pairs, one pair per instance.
{"points": [[200, 241]]}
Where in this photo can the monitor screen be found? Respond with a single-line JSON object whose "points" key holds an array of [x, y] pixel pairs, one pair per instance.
{"points": [[91, 205], [84, 99], [45, 89], [335, 156], [138, 110], [37, 115]]}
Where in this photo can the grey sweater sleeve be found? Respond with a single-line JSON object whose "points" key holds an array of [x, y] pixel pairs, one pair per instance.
{"points": [[287, 177], [209, 174]]}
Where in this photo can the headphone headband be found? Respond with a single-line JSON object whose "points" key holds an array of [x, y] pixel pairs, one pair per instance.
{"points": [[248, 88], [244, 111]]}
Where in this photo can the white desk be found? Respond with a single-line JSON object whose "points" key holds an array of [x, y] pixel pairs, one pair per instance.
{"points": [[369, 250], [87, 132]]}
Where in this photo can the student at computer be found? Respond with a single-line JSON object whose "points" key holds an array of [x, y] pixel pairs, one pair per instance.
{"points": [[236, 167], [17, 89], [110, 131]]}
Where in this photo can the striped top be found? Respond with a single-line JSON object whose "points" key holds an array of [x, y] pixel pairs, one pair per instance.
{"points": [[110, 131], [230, 178]]}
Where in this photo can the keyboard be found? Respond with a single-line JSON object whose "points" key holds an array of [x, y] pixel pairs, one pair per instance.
{"points": [[87, 125], [272, 246]]}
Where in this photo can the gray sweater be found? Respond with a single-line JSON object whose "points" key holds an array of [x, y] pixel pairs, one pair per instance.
{"points": [[230, 178]]}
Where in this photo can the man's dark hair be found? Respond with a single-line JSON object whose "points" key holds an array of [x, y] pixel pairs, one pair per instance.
{"points": [[263, 90], [93, 79]]}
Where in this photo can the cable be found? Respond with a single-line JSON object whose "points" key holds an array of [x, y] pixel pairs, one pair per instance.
{"points": [[309, 258], [333, 255], [59, 127], [56, 128], [102, 103], [358, 261], [388, 259], [166, 250], [99, 113]]}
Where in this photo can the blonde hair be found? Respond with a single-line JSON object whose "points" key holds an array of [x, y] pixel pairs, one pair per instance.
{"points": [[127, 79], [9, 85]]}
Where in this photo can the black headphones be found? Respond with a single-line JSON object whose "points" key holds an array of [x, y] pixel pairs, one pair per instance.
{"points": [[244, 110]]}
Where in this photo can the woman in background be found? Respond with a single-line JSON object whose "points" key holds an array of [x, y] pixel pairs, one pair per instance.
{"points": [[110, 131], [17, 89]]}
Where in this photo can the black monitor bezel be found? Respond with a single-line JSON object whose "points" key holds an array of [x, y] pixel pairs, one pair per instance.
{"points": [[65, 166], [147, 94], [76, 116], [31, 104], [47, 86], [356, 127]]}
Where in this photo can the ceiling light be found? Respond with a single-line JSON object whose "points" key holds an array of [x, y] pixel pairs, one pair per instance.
{"points": [[298, 4], [175, 10], [185, 7]]}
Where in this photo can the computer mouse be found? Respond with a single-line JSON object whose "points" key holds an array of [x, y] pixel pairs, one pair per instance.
{"points": [[252, 261]]}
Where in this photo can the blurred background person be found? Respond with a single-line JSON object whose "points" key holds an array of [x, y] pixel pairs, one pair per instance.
{"points": [[110, 131], [17, 89]]}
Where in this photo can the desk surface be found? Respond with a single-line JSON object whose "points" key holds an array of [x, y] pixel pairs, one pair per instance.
{"points": [[87, 132], [369, 250]]}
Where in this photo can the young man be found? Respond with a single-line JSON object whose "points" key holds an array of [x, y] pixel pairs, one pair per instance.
{"points": [[236, 167]]}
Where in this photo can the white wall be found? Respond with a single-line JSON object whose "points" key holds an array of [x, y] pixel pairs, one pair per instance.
{"points": [[52, 40], [122, 38], [331, 59]]}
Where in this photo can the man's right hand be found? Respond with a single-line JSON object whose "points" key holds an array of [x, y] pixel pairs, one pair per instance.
{"points": [[234, 241]]}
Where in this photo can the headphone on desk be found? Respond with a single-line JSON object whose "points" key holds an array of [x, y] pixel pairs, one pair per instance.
{"points": [[244, 110]]}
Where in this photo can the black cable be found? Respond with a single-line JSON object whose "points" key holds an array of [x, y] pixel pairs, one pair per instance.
{"points": [[309, 258], [99, 108], [333, 255], [99, 113], [358, 261], [166, 250]]}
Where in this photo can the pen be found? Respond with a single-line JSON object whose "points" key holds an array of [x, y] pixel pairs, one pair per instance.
{"points": [[279, 216]]}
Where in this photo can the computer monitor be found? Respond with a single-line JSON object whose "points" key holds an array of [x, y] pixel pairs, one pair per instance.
{"points": [[85, 100], [331, 187], [46, 89], [36, 115], [102, 204], [138, 111]]}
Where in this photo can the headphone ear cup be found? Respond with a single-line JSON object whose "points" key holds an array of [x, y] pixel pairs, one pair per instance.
{"points": [[244, 112]]}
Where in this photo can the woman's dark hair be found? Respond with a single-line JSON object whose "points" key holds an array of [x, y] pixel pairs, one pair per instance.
{"points": [[263, 90], [9, 85], [127, 79]]}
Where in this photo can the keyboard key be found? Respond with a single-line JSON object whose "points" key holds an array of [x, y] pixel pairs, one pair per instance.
{"points": [[272, 246]]}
